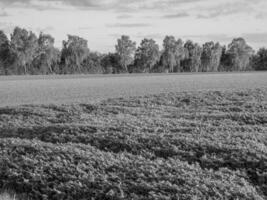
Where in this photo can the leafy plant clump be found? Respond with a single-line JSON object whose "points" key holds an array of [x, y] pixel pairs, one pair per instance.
{"points": [[201, 145]]}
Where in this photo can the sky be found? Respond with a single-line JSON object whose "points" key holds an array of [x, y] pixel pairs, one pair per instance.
{"points": [[102, 22]]}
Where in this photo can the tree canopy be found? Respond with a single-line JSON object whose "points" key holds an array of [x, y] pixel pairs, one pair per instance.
{"points": [[240, 54], [173, 54], [4, 52], [192, 61], [211, 57], [147, 55], [260, 59], [25, 53], [125, 48], [23, 45], [74, 52], [47, 55]]}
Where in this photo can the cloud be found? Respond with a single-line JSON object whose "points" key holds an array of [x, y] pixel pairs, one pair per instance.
{"points": [[7, 27], [124, 16], [140, 35], [202, 9], [225, 9], [126, 25], [178, 15], [256, 37], [224, 38], [118, 5], [115, 35], [3, 13], [45, 29], [84, 28], [40, 5], [153, 36], [261, 15]]}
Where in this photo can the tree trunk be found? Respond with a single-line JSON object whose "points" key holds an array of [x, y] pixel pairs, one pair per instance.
{"points": [[126, 67], [25, 68]]}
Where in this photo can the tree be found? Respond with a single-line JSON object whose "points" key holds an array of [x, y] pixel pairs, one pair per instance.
{"points": [[4, 52], [168, 55], [47, 56], [75, 51], [260, 60], [225, 62], [240, 54], [173, 54], [192, 62], [23, 46], [211, 57], [27, 54], [92, 63], [180, 54], [111, 63], [125, 49], [147, 55]]}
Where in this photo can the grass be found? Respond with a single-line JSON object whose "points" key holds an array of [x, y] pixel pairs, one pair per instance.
{"points": [[185, 145]]}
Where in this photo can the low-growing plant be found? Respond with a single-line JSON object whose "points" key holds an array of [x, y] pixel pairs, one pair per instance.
{"points": [[9, 195], [169, 146]]}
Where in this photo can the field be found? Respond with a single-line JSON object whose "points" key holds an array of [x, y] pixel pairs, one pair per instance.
{"points": [[185, 145], [93, 89]]}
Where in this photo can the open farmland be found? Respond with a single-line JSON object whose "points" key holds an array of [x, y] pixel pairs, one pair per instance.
{"points": [[91, 89], [175, 145]]}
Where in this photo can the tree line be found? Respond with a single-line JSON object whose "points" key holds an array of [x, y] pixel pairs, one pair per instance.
{"points": [[25, 53]]}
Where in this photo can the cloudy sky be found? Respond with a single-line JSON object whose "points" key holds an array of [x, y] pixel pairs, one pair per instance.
{"points": [[101, 22]]}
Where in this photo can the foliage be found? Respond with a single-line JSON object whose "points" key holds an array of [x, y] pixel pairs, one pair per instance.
{"points": [[260, 60], [192, 62], [240, 54], [47, 57], [168, 146], [72, 171], [211, 57], [125, 48], [75, 51], [146, 56], [111, 63], [92, 63], [6, 196], [27, 54], [23, 46], [10, 195], [173, 54], [225, 62], [4, 52]]}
